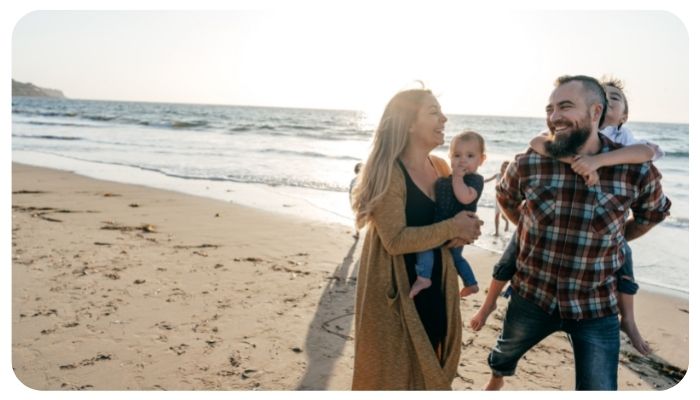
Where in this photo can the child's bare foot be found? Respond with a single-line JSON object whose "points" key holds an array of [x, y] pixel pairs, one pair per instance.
{"points": [[479, 319], [630, 328], [420, 284], [467, 290], [495, 383]]}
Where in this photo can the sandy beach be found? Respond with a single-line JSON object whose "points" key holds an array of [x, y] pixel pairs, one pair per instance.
{"points": [[125, 287]]}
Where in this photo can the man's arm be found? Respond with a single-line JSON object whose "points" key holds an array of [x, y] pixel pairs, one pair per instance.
{"points": [[633, 230], [508, 193]]}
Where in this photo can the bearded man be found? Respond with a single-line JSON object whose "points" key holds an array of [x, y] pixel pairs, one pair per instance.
{"points": [[570, 237]]}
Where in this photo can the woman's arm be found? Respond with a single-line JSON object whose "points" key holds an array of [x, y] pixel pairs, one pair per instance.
{"points": [[389, 218]]}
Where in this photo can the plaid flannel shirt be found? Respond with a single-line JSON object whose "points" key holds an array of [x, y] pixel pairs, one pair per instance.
{"points": [[570, 235]]}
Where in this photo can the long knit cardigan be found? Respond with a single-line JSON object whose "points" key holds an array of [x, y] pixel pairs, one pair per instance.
{"points": [[392, 349]]}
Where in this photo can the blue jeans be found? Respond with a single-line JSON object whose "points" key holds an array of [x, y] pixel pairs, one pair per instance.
{"points": [[424, 265], [596, 343], [505, 267]]}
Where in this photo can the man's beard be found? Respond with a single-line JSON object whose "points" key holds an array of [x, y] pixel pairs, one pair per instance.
{"points": [[559, 146]]}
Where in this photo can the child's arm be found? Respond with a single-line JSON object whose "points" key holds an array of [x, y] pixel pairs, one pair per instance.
{"points": [[479, 319], [491, 178], [465, 194], [632, 154]]}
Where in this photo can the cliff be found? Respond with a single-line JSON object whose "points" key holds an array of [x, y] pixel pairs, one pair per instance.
{"points": [[29, 89]]}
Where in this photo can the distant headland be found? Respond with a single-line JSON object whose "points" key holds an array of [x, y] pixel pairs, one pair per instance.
{"points": [[31, 90]]}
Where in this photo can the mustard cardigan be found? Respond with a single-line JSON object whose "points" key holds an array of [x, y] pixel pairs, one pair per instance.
{"points": [[392, 349]]}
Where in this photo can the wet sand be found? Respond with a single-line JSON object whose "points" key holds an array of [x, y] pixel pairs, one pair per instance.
{"points": [[124, 287]]}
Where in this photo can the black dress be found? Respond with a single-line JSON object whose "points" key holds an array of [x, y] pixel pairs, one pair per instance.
{"points": [[430, 302]]}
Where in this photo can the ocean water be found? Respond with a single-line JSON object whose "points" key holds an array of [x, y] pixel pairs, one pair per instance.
{"points": [[306, 154]]}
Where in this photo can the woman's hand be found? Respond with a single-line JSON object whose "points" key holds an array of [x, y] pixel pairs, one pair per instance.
{"points": [[469, 226]]}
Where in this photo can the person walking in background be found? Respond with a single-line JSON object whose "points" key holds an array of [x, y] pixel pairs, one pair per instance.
{"points": [[358, 167], [497, 210]]}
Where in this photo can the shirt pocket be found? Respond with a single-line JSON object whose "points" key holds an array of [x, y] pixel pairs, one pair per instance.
{"points": [[609, 213], [541, 204]]}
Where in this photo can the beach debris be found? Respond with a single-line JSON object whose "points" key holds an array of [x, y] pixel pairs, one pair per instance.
{"points": [[249, 259], [40, 212], [684, 310], [111, 195], [297, 350], [87, 362], [651, 368], [326, 326], [217, 266], [139, 281], [29, 192], [113, 276], [102, 244], [287, 269], [113, 226], [233, 360], [45, 313], [180, 349], [200, 253], [165, 325], [134, 205], [217, 215], [199, 246]]}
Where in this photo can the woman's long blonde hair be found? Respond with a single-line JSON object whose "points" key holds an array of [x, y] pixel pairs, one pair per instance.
{"points": [[390, 140]]}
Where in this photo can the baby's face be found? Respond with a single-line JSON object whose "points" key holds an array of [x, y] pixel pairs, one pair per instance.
{"points": [[466, 156]]}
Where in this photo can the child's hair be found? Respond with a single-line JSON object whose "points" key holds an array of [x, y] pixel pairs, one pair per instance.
{"points": [[465, 137], [609, 80], [504, 167]]}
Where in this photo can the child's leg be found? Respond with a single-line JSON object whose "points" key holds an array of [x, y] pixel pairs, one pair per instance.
{"points": [[489, 305], [424, 270], [627, 288], [465, 271], [497, 219]]}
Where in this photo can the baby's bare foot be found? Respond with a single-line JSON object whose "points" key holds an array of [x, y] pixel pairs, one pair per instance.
{"points": [[630, 328], [420, 284], [467, 290]]}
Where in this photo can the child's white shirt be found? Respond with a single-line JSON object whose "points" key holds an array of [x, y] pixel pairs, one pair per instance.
{"points": [[625, 137]]}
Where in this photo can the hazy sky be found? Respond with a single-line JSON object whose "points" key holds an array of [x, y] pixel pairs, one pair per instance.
{"points": [[477, 61]]}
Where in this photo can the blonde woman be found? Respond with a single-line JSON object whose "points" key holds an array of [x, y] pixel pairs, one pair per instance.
{"points": [[403, 343]]}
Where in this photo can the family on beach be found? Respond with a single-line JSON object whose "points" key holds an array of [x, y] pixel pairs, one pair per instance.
{"points": [[577, 195]]}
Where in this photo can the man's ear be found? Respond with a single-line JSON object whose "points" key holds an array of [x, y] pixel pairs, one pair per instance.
{"points": [[596, 112]]}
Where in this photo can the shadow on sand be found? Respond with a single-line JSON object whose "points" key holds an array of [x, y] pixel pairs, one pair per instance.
{"points": [[329, 332]]}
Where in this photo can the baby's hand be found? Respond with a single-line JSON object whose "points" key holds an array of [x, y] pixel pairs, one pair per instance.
{"points": [[457, 171], [585, 166]]}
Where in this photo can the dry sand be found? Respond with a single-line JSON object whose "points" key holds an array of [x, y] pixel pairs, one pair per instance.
{"points": [[125, 287]]}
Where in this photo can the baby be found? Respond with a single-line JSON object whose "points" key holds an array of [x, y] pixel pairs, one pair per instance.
{"points": [[460, 191]]}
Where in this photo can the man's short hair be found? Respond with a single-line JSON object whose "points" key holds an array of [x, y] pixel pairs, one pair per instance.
{"points": [[596, 92]]}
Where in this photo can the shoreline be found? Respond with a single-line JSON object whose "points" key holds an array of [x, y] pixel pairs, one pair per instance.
{"points": [[314, 204], [120, 286]]}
